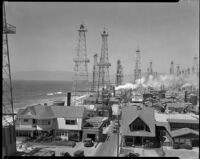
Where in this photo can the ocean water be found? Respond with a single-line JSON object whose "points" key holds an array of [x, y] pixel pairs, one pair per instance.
{"points": [[27, 92]]}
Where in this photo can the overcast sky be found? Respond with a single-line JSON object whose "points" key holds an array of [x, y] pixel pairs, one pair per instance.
{"points": [[46, 34]]}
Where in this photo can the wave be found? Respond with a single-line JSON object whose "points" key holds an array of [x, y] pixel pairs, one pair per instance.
{"points": [[54, 93]]}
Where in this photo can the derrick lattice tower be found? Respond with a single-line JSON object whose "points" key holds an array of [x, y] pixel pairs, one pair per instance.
{"points": [[95, 74], [104, 79], [178, 71], [119, 73], [137, 69], [195, 68], [8, 120], [7, 110], [171, 70], [80, 81]]}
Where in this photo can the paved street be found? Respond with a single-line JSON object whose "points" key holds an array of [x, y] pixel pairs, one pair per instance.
{"points": [[109, 147]]}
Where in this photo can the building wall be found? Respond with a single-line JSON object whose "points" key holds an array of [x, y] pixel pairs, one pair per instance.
{"points": [[44, 126], [194, 126], [69, 134], [62, 125], [98, 133], [21, 124]]}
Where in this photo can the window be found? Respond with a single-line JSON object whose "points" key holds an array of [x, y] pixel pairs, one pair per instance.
{"points": [[44, 122], [70, 122], [176, 140], [34, 121], [25, 120], [182, 140]]}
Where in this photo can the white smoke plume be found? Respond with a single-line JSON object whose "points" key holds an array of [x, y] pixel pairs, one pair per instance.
{"points": [[168, 81]]}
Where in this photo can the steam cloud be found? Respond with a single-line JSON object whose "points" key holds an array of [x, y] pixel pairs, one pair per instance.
{"points": [[168, 81]]}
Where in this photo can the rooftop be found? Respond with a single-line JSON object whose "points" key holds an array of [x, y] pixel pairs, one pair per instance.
{"points": [[47, 112], [161, 117], [130, 113], [183, 131]]}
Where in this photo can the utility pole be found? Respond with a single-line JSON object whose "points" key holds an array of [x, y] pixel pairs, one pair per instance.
{"points": [[8, 120], [118, 130], [81, 69]]}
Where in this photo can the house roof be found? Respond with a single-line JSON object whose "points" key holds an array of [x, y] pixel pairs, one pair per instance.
{"points": [[130, 113], [49, 112], [182, 121], [183, 131], [95, 121], [68, 112], [176, 105]]}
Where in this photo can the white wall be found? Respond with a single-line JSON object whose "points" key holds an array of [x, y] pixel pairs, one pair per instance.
{"points": [[43, 127], [21, 124], [62, 125]]}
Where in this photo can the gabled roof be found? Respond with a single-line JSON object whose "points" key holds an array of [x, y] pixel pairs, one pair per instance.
{"points": [[68, 112], [183, 131], [130, 113], [49, 112]]}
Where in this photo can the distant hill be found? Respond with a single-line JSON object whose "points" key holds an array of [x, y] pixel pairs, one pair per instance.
{"points": [[59, 76]]}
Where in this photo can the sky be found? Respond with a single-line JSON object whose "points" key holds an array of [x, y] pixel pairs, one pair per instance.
{"points": [[46, 34]]}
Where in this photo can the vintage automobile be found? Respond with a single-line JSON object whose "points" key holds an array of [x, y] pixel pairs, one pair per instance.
{"points": [[88, 142], [79, 153]]}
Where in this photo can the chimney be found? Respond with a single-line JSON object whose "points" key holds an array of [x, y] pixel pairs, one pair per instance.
{"points": [[68, 98], [185, 99]]}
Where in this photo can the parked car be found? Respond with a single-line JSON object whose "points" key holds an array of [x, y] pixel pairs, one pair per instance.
{"points": [[66, 154], [114, 130], [133, 154], [88, 142], [176, 146], [186, 146], [123, 155], [79, 153]]}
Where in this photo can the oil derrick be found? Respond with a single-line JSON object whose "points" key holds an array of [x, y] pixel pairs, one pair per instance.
{"points": [[195, 68], [188, 71], [8, 112], [178, 72], [80, 82], [119, 73], [137, 70], [8, 129], [104, 80], [151, 68], [171, 70], [95, 74]]}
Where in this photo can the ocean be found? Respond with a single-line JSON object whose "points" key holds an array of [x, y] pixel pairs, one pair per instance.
{"points": [[26, 92]]}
